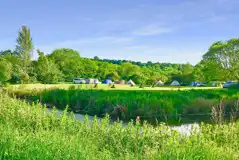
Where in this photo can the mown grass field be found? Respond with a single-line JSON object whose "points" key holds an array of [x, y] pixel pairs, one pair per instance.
{"points": [[30, 132], [100, 86]]}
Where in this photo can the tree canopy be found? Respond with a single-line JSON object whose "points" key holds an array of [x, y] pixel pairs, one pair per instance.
{"points": [[224, 56], [5, 70]]}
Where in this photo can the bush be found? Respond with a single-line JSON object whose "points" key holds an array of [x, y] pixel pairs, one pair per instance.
{"points": [[234, 86], [199, 106]]}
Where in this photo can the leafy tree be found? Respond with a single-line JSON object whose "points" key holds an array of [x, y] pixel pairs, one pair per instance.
{"points": [[113, 76], [128, 69], [197, 74], [5, 70], [96, 58], [48, 71], [138, 79], [6, 53], [224, 56], [17, 69], [212, 71], [69, 62], [24, 47], [63, 54], [187, 69]]}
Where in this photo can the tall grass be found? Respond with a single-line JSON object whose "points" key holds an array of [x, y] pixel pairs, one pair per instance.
{"points": [[30, 132], [126, 105]]}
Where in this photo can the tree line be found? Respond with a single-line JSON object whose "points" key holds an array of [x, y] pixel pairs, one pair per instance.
{"points": [[219, 63]]}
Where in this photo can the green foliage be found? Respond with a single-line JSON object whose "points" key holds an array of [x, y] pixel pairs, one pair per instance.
{"points": [[24, 78], [234, 86], [113, 76], [225, 56], [148, 104], [220, 63], [128, 69], [24, 46], [32, 132], [47, 70], [68, 61], [5, 70], [17, 70]]}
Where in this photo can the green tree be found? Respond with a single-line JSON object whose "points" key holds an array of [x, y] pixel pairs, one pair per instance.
{"points": [[69, 63], [6, 53], [128, 69], [113, 76], [24, 47], [5, 70], [17, 69], [212, 71], [47, 70], [96, 58], [224, 56], [138, 79]]}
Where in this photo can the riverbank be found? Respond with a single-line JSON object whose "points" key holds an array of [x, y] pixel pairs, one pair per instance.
{"points": [[28, 132], [171, 107]]}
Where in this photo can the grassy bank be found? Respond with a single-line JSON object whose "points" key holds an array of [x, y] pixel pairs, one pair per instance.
{"points": [[128, 104], [29, 132]]}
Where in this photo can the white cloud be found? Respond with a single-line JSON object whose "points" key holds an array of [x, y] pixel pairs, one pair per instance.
{"points": [[152, 30]]}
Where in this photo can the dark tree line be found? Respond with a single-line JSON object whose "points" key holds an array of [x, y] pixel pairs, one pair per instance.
{"points": [[62, 65]]}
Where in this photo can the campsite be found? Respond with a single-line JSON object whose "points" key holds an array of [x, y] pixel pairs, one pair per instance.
{"points": [[119, 80], [138, 109]]}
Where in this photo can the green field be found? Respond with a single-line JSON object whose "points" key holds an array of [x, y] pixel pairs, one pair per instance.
{"points": [[100, 86], [29, 132]]}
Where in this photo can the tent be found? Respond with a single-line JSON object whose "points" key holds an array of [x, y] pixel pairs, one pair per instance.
{"points": [[120, 82], [107, 81], [96, 81], [175, 83], [130, 82], [89, 81], [159, 83]]}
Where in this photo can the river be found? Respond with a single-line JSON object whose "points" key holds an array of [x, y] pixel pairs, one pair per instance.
{"points": [[184, 129]]}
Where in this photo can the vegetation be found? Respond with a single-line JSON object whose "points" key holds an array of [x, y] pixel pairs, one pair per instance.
{"points": [[30, 132], [163, 105], [62, 65], [5, 70], [225, 56]]}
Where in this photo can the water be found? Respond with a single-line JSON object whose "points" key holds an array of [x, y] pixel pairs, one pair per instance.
{"points": [[184, 129]]}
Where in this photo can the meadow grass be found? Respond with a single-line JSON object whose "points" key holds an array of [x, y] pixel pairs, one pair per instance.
{"points": [[128, 104], [28, 131]]}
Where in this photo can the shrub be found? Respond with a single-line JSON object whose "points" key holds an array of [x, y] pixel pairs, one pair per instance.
{"points": [[199, 106], [234, 86]]}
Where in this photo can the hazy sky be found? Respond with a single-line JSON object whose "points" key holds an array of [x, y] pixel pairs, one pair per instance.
{"points": [[143, 30]]}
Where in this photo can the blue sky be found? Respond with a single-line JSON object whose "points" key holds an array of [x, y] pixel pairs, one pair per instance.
{"points": [[175, 31]]}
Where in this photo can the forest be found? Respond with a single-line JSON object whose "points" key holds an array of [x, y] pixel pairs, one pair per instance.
{"points": [[219, 63]]}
